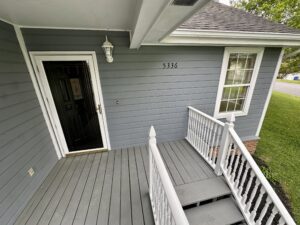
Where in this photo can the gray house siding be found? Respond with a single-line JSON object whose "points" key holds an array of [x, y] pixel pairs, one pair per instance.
{"points": [[146, 93], [24, 138]]}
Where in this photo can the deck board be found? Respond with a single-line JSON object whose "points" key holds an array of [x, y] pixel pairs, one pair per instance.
{"points": [[196, 158], [47, 214], [114, 215], [92, 214], [31, 206], [87, 193], [65, 199], [103, 214], [187, 166], [109, 188], [146, 205], [78, 192], [179, 166], [41, 207], [171, 167], [136, 205], [125, 190]]}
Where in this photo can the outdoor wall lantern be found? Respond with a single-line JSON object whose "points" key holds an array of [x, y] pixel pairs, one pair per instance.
{"points": [[108, 48]]}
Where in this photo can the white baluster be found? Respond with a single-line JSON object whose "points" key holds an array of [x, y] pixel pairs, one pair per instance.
{"points": [[272, 216], [204, 135], [243, 180], [165, 209], [233, 157], [248, 188], [247, 209], [200, 136], [264, 211], [239, 172], [217, 147], [196, 130], [258, 201], [188, 135], [229, 151], [213, 146], [237, 160], [209, 139], [224, 144], [281, 221], [192, 128]]}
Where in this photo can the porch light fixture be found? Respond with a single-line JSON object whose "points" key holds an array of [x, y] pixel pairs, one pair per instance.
{"points": [[108, 48]]}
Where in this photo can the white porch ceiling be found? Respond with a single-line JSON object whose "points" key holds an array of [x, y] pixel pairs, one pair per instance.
{"points": [[149, 20], [93, 14]]}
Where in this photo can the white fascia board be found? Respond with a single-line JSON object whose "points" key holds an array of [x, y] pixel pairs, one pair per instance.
{"points": [[170, 19], [147, 13], [229, 38], [63, 28]]}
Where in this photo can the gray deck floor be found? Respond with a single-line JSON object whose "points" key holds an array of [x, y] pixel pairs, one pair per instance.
{"points": [[108, 188]]}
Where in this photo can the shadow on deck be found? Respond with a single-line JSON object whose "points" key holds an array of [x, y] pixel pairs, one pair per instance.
{"points": [[109, 188]]}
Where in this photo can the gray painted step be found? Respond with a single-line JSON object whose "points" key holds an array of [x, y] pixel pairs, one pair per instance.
{"points": [[202, 190], [222, 212]]}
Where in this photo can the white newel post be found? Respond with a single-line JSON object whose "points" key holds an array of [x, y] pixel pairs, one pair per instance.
{"points": [[224, 144], [152, 141]]}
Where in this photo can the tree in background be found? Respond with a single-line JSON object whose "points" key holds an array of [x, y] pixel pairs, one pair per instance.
{"points": [[281, 11]]}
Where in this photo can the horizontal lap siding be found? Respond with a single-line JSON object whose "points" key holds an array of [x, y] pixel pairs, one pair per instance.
{"points": [[24, 138], [146, 93]]}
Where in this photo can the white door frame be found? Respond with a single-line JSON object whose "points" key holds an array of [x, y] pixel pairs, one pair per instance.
{"points": [[37, 58]]}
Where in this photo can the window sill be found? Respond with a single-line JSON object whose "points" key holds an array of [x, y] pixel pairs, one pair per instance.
{"points": [[225, 115]]}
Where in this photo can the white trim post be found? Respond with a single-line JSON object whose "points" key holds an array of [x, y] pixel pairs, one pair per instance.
{"points": [[270, 93], [224, 144], [24, 51], [152, 141]]}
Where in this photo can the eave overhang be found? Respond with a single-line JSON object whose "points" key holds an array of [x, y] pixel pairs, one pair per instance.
{"points": [[229, 38]]}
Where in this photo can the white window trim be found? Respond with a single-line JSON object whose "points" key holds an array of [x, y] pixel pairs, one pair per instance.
{"points": [[227, 52]]}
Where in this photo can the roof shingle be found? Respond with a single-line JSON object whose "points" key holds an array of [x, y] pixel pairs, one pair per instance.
{"points": [[218, 17]]}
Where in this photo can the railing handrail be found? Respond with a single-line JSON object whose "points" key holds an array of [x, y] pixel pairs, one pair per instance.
{"points": [[175, 205], [264, 182], [232, 159], [207, 116]]}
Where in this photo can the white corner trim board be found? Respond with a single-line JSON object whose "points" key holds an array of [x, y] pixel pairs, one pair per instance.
{"points": [[37, 91], [270, 93], [251, 85]]}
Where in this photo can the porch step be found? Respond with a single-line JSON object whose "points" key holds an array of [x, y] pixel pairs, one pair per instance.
{"points": [[201, 191], [221, 212]]}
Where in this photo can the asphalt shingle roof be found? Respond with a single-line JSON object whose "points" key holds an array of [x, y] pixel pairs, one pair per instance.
{"points": [[218, 17]]}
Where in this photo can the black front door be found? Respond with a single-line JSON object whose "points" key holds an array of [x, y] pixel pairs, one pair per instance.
{"points": [[71, 88]]}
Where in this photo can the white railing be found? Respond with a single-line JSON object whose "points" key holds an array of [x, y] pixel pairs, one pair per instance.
{"points": [[256, 198], [166, 207], [204, 134], [254, 194]]}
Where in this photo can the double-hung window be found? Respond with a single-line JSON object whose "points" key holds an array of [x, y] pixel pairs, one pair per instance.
{"points": [[238, 77]]}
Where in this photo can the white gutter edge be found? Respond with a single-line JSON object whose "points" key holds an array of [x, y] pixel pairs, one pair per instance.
{"points": [[187, 37], [229, 38], [233, 34]]}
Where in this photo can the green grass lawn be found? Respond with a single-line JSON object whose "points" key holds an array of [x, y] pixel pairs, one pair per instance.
{"points": [[279, 146], [289, 81]]}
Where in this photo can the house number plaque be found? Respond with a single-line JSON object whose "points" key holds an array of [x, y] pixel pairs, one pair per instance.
{"points": [[170, 65]]}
